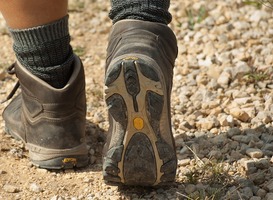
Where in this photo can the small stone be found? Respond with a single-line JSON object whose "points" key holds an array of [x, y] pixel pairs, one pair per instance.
{"points": [[269, 186], [179, 142], [35, 188], [232, 194], [185, 126], [261, 193], [255, 198], [190, 189], [262, 163], [91, 151], [239, 114], [184, 162], [259, 15], [207, 123], [215, 154], [86, 180], [241, 25], [254, 153], [242, 138], [224, 79], [43, 171], [258, 178], [269, 196], [268, 147], [10, 189], [242, 101], [223, 120], [240, 70], [57, 197], [247, 192], [247, 164], [92, 159], [2, 75], [98, 117], [234, 131], [219, 140], [214, 131]]}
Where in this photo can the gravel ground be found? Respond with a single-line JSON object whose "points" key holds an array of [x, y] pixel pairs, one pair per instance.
{"points": [[222, 107]]}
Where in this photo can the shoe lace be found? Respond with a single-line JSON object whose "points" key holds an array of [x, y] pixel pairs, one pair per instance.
{"points": [[11, 71]]}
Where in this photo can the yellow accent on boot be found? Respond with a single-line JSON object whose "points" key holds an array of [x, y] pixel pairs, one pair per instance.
{"points": [[130, 58], [138, 123], [70, 160]]}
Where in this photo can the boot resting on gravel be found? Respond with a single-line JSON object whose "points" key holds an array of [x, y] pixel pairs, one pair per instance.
{"points": [[50, 121], [139, 70]]}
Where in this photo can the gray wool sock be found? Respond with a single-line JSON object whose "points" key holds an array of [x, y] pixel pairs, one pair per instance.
{"points": [[45, 51], [147, 10]]}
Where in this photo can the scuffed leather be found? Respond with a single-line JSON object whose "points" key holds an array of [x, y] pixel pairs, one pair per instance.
{"points": [[45, 116]]}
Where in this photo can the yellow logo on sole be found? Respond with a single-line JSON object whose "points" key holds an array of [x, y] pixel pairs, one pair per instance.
{"points": [[138, 123], [70, 160]]}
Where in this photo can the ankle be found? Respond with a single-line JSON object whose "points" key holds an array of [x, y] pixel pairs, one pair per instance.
{"points": [[45, 51]]}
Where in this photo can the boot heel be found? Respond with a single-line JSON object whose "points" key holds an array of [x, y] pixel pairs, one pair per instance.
{"points": [[137, 155]]}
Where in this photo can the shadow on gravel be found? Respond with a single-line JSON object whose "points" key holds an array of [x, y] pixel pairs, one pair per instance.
{"points": [[231, 165], [95, 139]]}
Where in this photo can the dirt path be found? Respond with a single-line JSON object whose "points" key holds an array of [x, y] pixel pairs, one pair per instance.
{"points": [[222, 107]]}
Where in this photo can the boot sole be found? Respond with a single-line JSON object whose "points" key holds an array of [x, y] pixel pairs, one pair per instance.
{"points": [[54, 158], [136, 97]]}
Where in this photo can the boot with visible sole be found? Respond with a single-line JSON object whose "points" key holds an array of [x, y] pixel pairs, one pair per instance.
{"points": [[139, 70], [50, 121]]}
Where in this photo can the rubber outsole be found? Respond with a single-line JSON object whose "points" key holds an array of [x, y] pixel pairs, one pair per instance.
{"points": [[54, 158], [135, 96]]}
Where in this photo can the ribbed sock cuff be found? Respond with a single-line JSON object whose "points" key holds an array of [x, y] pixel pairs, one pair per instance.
{"points": [[40, 34], [147, 10], [45, 51]]}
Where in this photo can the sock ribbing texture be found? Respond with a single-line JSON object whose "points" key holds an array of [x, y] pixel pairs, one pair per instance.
{"points": [[147, 10], [45, 51]]}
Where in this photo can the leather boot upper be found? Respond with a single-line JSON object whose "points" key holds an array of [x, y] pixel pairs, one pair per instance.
{"points": [[154, 40], [47, 117]]}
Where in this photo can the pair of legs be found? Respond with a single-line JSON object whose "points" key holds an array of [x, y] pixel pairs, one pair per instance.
{"points": [[49, 113]]}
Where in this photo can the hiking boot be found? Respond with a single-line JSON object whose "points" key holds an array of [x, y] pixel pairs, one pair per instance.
{"points": [[139, 70], [50, 121]]}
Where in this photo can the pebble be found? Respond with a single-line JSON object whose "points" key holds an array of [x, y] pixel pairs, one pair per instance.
{"points": [[190, 188], [184, 162], [2, 75], [247, 192], [57, 197], [269, 196], [35, 188], [259, 15], [207, 123], [254, 153], [255, 198], [234, 131], [10, 188], [239, 114], [247, 164], [269, 186], [242, 138], [224, 79], [261, 193]]}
